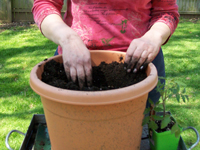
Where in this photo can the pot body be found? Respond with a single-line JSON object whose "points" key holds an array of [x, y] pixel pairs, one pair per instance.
{"points": [[164, 140], [106, 120]]}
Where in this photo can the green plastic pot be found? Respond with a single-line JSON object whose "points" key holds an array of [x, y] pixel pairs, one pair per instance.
{"points": [[167, 141], [163, 141]]}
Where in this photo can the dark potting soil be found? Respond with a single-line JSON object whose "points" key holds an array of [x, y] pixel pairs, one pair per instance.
{"points": [[105, 76]]}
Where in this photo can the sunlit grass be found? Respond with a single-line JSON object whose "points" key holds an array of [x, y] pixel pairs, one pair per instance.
{"points": [[182, 58], [21, 48]]}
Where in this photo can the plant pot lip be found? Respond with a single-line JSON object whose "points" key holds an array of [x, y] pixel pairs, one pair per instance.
{"points": [[93, 97], [165, 132]]}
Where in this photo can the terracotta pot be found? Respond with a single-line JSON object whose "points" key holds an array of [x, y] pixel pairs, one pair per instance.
{"points": [[107, 120]]}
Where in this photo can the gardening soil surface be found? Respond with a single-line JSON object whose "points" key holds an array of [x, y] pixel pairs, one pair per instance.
{"points": [[105, 76]]}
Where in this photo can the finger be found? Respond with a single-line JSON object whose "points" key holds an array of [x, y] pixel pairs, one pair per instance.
{"points": [[132, 64], [141, 60], [81, 76], [67, 71], [88, 74], [128, 57], [150, 57], [73, 74], [88, 70], [144, 66], [147, 61], [134, 60]]}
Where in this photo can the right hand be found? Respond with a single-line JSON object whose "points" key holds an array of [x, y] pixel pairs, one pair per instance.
{"points": [[76, 56], [77, 61]]}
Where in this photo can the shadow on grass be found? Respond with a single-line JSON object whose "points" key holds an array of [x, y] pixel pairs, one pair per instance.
{"points": [[16, 96], [16, 66], [22, 114], [28, 54], [16, 25]]}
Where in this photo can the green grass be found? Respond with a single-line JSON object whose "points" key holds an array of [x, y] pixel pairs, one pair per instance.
{"points": [[22, 47], [182, 61]]}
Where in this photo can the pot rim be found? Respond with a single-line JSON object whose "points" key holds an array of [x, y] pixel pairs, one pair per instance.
{"points": [[93, 97]]}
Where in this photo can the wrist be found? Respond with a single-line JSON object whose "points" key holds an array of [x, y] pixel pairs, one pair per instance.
{"points": [[154, 36], [56, 30], [159, 33], [66, 37]]}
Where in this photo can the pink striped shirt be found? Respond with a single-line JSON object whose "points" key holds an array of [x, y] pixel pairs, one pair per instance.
{"points": [[110, 24]]}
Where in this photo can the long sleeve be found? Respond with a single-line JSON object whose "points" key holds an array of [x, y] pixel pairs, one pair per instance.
{"points": [[166, 12], [43, 8]]}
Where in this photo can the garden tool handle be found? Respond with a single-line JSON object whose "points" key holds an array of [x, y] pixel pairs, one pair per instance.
{"points": [[197, 134], [8, 135]]}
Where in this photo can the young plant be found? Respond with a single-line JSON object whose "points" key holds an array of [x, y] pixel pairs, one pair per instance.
{"points": [[172, 89]]}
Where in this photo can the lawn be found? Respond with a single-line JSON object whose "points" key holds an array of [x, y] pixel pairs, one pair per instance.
{"points": [[22, 47]]}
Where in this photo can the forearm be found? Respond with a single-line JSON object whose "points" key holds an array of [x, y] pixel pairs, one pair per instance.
{"points": [[54, 28], [76, 56], [159, 32], [165, 12]]}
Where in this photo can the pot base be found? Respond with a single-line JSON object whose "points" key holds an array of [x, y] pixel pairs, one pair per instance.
{"points": [[40, 137]]}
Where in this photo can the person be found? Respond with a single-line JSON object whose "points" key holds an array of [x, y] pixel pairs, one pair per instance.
{"points": [[137, 27]]}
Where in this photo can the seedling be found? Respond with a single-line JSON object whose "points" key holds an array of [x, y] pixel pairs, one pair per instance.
{"points": [[172, 89]]}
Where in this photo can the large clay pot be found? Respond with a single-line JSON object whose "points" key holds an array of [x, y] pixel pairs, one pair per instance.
{"points": [[100, 120]]}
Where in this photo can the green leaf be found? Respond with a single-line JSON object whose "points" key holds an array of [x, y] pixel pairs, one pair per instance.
{"points": [[153, 125], [187, 97], [146, 111], [178, 87], [183, 91], [170, 95], [178, 97], [174, 129], [146, 120], [166, 120], [157, 109], [161, 86], [157, 103], [174, 91], [150, 101], [177, 133], [156, 117], [183, 98]]}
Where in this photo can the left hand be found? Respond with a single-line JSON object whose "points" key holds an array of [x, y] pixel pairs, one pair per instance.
{"points": [[141, 52]]}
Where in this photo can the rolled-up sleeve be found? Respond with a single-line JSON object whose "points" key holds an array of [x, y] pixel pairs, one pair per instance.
{"points": [[43, 8], [165, 11]]}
